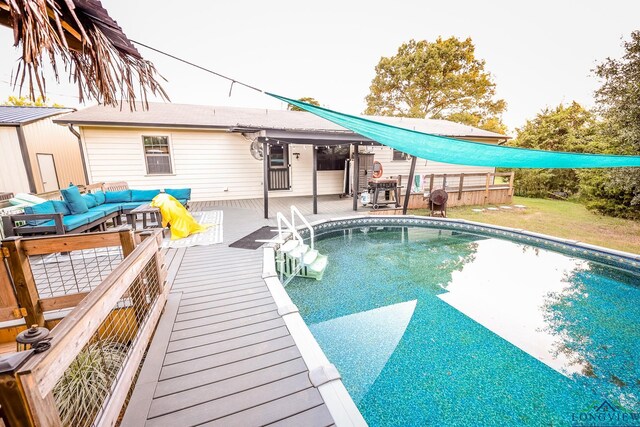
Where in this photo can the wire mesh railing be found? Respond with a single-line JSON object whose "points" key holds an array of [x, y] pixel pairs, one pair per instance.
{"points": [[83, 391], [85, 376]]}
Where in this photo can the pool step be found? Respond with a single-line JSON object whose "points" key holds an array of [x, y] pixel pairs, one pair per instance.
{"points": [[296, 259]]}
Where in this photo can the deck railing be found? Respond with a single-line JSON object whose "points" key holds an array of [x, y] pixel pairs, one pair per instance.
{"points": [[56, 272], [85, 376]]}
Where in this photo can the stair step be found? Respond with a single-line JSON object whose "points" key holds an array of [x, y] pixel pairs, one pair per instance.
{"points": [[289, 246], [319, 264], [298, 251], [310, 257]]}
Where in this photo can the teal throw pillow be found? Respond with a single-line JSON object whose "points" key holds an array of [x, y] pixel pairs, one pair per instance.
{"points": [[77, 204]]}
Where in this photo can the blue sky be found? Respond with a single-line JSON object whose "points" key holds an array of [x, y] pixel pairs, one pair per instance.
{"points": [[540, 53]]}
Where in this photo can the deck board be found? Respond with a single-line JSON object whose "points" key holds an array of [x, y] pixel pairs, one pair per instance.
{"points": [[228, 358]]}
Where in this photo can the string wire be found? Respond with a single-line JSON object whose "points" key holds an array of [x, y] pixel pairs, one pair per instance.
{"points": [[233, 81]]}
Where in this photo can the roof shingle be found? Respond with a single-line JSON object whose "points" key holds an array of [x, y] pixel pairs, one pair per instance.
{"points": [[204, 116]]}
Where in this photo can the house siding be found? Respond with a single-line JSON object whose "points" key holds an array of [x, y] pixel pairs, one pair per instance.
{"points": [[13, 175], [217, 165], [46, 137]]}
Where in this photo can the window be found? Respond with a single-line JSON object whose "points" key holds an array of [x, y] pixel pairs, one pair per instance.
{"points": [[156, 154], [278, 156], [399, 155], [332, 158]]}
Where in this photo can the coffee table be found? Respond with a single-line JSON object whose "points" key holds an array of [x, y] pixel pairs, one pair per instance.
{"points": [[146, 209]]}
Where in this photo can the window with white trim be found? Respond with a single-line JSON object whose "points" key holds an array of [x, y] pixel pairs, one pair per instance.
{"points": [[157, 155], [399, 155]]}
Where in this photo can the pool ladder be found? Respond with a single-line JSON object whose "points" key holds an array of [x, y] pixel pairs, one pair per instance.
{"points": [[294, 257]]}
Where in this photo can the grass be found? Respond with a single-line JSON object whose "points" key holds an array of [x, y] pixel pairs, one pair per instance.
{"points": [[558, 218]]}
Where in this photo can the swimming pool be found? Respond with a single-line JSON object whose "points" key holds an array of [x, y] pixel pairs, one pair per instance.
{"points": [[458, 327]]}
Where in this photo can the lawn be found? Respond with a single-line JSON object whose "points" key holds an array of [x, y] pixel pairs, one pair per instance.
{"points": [[558, 218]]}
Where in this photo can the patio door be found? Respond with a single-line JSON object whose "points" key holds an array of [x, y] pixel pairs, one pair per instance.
{"points": [[279, 167], [48, 174]]}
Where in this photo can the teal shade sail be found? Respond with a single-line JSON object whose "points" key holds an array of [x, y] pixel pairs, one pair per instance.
{"points": [[456, 151]]}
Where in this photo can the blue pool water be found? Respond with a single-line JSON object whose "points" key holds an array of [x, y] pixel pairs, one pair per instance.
{"points": [[434, 327]]}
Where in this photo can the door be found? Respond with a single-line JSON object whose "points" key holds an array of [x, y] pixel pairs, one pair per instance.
{"points": [[279, 167], [48, 172]]}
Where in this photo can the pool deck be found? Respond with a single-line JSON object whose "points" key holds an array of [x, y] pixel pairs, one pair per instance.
{"points": [[222, 353]]}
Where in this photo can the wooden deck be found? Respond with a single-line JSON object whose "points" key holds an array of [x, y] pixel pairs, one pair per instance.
{"points": [[222, 355]]}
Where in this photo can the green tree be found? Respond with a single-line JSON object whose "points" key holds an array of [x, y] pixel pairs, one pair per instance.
{"points": [[617, 191], [306, 99], [23, 101], [440, 80], [564, 128]]}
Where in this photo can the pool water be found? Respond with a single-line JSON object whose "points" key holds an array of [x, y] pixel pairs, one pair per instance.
{"points": [[435, 327]]}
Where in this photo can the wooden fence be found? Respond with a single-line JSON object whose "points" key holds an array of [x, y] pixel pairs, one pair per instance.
{"points": [[466, 189], [117, 317]]}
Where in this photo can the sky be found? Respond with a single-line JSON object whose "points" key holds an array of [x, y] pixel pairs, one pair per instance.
{"points": [[540, 53]]}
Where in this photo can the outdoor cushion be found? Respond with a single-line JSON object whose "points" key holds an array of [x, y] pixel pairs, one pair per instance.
{"points": [[71, 195], [118, 196], [107, 208], [179, 193], [90, 201], [183, 201], [41, 208], [143, 195], [61, 206], [72, 222], [95, 214], [131, 205], [99, 196]]}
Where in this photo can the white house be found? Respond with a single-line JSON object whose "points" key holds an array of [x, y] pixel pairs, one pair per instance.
{"points": [[216, 150]]}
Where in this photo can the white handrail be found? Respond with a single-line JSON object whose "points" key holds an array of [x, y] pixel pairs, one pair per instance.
{"points": [[294, 212], [282, 219]]}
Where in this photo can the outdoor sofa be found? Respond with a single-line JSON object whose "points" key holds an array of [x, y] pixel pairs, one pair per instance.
{"points": [[77, 212]]}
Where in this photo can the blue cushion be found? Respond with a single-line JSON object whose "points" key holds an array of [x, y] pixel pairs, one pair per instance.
{"points": [[95, 214], [71, 195], [143, 195], [118, 196], [90, 201], [99, 196], [41, 208], [183, 201], [72, 222], [131, 205], [179, 193], [61, 207], [107, 208]]}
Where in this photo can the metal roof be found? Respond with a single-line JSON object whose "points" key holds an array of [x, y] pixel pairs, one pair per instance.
{"points": [[169, 115], [16, 116]]}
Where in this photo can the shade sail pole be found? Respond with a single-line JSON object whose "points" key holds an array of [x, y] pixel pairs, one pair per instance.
{"points": [[315, 179], [412, 171], [265, 178], [356, 176]]}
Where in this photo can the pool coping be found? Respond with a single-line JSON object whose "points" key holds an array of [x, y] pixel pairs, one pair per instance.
{"points": [[323, 374]]}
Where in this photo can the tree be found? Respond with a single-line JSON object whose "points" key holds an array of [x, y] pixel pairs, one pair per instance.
{"points": [[306, 99], [441, 80], [617, 191], [564, 128], [23, 101]]}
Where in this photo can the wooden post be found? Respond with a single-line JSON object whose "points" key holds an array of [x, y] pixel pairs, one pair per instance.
{"points": [[486, 189], [356, 176], [460, 186], [409, 185], [127, 241], [8, 303], [25, 285], [431, 183], [265, 178], [315, 178], [14, 407], [511, 179]]}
